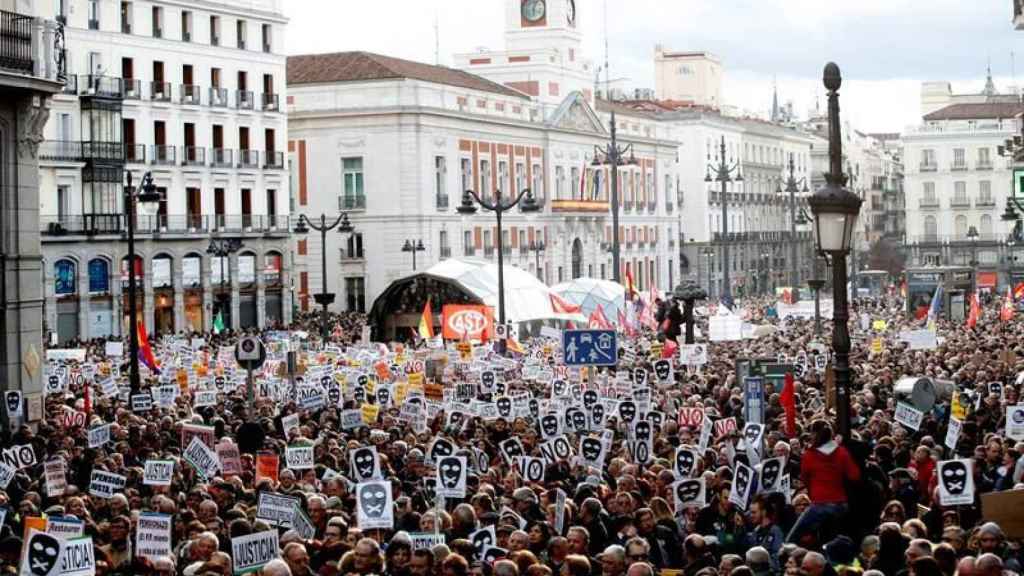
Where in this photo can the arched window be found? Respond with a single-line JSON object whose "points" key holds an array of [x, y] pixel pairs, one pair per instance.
{"points": [[960, 226], [272, 267], [931, 227], [192, 271], [163, 266], [65, 272], [99, 275], [985, 229]]}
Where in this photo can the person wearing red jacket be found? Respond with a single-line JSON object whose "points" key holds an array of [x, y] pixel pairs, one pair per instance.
{"points": [[824, 469]]}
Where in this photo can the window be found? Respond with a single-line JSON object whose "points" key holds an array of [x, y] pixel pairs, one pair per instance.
{"points": [[194, 207], [158, 22], [538, 182], [246, 207], [559, 182], [466, 168], [485, 178], [442, 242], [352, 178], [354, 245], [467, 242], [126, 17], [960, 226], [574, 180], [94, 14], [488, 247], [960, 193], [272, 205], [502, 176], [959, 158], [355, 292], [63, 203], [985, 227], [240, 33], [267, 38], [985, 192], [214, 30], [520, 178], [928, 190], [186, 26], [928, 158], [440, 179], [218, 206], [99, 275], [64, 273], [984, 158]]}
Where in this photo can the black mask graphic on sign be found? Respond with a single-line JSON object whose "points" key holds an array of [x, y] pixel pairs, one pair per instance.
{"points": [[487, 380], [589, 399], [494, 553], [512, 449], [662, 369], [365, 461], [373, 498], [591, 448], [219, 383], [383, 396], [640, 376], [362, 380], [549, 425], [558, 387], [359, 394], [687, 490], [655, 419], [504, 406], [481, 539], [597, 414], [333, 395], [627, 411], [954, 477], [770, 472], [578, 419], [642, 430], [13, 402], [751, 433], [742, 480], [43, 553], [440, 449], [451, 471], [534, 405], [685, 463], [455, 419], [430, 489], [500, 389]]}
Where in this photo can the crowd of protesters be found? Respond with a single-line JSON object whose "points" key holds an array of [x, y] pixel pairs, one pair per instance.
{"points": [[866, 505]]}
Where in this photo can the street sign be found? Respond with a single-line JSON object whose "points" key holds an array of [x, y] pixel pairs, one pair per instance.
{"points": [[753, 400], [250, 353], [590, 348]]}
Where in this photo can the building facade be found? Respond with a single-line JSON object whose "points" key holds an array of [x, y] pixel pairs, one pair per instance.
{"points": [[693, 77], [31, 72], [192, 92]]}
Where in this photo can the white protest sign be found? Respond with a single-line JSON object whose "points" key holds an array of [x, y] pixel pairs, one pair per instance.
{"points": [[1015, 422], [956, 482], [64, 527], [451, 476], [302, 524], [693, 354], [99, 435], [153, 535], [18, 457], [78, 557], [689, 493], [743, 482], [425, 540], [374, 508], [299, 457], [202, 458], [204, 398], [276, 509], [114, 349], [252, 552], [6, 473], [909, 416], [289, 422], [56, 478], [104, 484], [158, 472], [953, 433], [920, 339]]}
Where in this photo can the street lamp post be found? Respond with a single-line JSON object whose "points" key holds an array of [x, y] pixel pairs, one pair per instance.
{"points": [[537, 247], [816, 284], [133, 200], [972, 235], [723, 174], [688, 292], [468, 208], [413, 247], [835, 210], [796, 218], [223, 248], [324, 298], [708, 254], [614, 155]]}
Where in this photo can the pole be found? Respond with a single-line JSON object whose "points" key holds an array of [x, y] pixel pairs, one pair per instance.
{"points": [[250, 390], [723, 177], [613, 157], [817, 313], [794, 271], [414, 258], [841, 342], [688, 318], [133, 311], [323, 276], [498, 209], [536, 257]]}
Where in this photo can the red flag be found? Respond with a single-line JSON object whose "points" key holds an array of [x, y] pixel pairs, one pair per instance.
{"points": [[972, 318], [788, 401], [1018, 291], [1007, 312], [625, 325], [598, 319], [670, 349], [562, 306], [630, 285], [145, 351]]}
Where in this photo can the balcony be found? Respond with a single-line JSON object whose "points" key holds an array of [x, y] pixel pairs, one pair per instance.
{"points": [[27, 46], [441, 200], [928, 167], [60, 151], [71, 85], [983, 165], [101, 86], [469, 251], [131, 89], [271, 103], [219, 97], [248, 159], [446, 251], [929, 204], [958, 167], [80, 225], [135, 153], [221, 157], [273, 160], [357, 202], [244, 99], [960, 203], [580, 206], [190, 94], [160, 91], [983, 202], [193, 156], [163, 155], [103, 151]]}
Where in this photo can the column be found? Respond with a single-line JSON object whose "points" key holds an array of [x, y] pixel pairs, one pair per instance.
{"points": [[82, 288], [179, 294], [261, 307], [205, 271], [235, 294]]}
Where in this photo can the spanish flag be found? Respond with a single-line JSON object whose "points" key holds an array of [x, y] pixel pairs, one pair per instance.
{"points": [[630, 285], [427, 322], [145, 351], [1007, 311], [1018, 291]]}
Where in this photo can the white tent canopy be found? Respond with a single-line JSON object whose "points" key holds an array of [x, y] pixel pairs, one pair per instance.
{"points": [[526, 298], [588, 293]]}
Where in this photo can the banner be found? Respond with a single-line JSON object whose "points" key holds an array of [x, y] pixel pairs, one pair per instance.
{"points": [[153, 535], [467, 322], [276, 509], [78, 557], [252, 552], [105, 484]]}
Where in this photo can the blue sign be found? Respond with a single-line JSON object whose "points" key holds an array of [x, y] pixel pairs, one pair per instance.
{"points": [[753, 400], [64, 271], [590, 348], [99, 275]]}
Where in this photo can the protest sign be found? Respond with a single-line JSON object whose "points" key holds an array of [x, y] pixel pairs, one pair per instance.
{"points": [[55, 474], [230, 459], [6, 473], [1015, 422], [99, 435], [299, 457], [202, 458], [267, 465], [251, 552], [956, 482], [78, 557], [909, 416], [104, 484], [276, 509], [64, 527], [153, 535], [374, 508], [19, 457], [158, 472]]}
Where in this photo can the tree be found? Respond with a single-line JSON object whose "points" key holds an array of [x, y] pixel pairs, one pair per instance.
{"points": [[884, 255]]}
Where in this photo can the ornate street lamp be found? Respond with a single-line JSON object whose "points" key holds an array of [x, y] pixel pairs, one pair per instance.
{"points": [[324, 298], [145, 199], [835, 210], [223, 248], [413, 247], [797, 217], [615, 156], [537, 247], [689, 292], [723, 173]]}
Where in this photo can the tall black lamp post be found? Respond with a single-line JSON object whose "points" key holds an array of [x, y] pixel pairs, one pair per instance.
{"points": [[223, 248], [615, 156], [468, 208], [145, 197], [816, 284], [723, 172], [796, 218], [689, 292], [537, 247], [835, 210], [324, 298], [972, 235], [413, 247]]}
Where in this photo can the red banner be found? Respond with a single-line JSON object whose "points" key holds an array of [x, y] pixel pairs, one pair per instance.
{"points": [[466, 321]]}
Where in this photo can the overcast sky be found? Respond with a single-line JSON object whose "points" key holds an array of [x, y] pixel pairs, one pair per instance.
{"points": [[885, 48]]}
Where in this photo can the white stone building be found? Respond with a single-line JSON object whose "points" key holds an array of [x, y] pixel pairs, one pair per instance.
{"points": [[194, 92], [394, 143]]}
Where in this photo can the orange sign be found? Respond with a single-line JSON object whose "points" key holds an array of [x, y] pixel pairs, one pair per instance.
{"points": [[465, 321], [266, 466]]}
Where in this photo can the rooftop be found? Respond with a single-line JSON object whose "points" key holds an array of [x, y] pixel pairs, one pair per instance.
{"points": [[361, 66], [977, 111]]}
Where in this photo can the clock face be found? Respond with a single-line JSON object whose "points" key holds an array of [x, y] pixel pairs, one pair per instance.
{"points": [[570, 12], [533, 10]]}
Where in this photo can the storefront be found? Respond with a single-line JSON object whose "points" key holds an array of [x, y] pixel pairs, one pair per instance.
{"points": [[65, 289], [272, 301], [220, 284], [247, 316], [957, 286], [101, 303], [988, 280], [163, 295], [192, 284]]}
